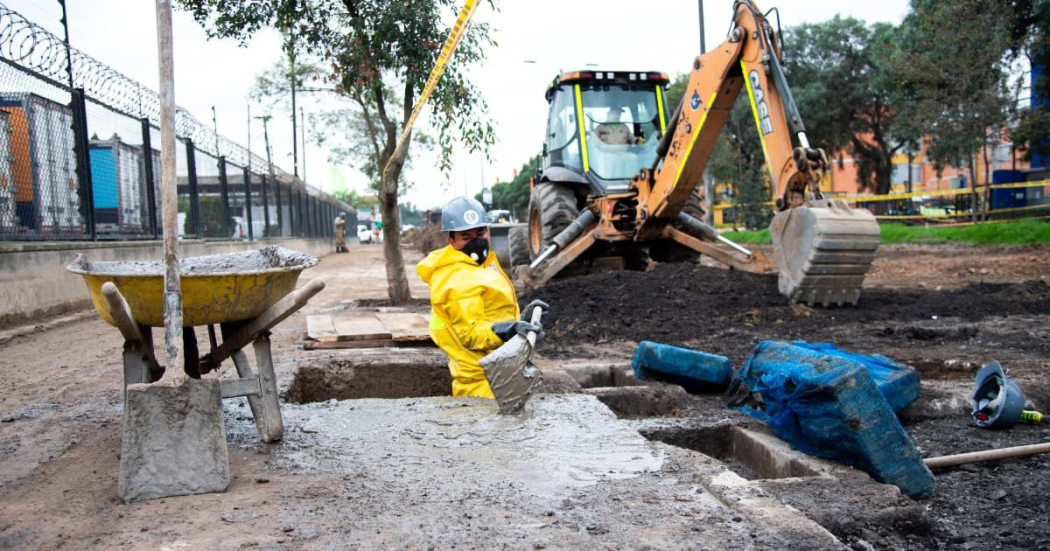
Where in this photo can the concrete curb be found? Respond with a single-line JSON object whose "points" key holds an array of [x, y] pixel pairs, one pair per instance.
{"points": [[54, 323]]}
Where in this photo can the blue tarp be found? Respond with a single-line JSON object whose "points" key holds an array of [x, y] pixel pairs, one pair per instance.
{"points": [[837, 405]]}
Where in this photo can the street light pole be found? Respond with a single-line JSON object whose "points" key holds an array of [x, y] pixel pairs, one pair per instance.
{"points": [[703, 43], [302, 117], [215, 126], [266, 141], [291, 64], [709, 184]]}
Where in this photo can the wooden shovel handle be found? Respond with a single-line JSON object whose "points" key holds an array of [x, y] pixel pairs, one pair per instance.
{"points": [[987, 455], [537, 312]]}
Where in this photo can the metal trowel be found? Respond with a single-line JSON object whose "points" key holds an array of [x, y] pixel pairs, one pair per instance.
{"points": [[512, 378]]}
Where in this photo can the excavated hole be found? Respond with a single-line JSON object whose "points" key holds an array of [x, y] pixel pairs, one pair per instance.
{"points": [[738, 449], [950, 368], [602, 375], [411, 376]]}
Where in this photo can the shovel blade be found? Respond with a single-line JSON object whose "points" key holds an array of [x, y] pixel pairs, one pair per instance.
{"points": [[512, 379], [174, 441]]}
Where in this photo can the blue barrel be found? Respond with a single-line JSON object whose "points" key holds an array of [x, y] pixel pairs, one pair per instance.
{"points": [[691, 369]]}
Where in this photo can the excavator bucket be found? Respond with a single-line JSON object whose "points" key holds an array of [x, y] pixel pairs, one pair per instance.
{"points": [[823, 249]]}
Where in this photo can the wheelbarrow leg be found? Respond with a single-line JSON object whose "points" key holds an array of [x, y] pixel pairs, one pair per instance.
{"points": [[140, 364], [191, 353], [270, 425], [266, 409]]}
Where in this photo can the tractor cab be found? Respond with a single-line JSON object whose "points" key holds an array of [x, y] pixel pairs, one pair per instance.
{"points": [[603, 127]]}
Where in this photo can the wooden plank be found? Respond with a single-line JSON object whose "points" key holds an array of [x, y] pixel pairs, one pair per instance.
{"points": [[360, 327], [321, 329], [240, 387], [406, 326], [374, 343]]}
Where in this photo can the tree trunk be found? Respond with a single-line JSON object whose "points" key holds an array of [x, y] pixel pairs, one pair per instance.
{"points": [[973, 189], [397, 281]]}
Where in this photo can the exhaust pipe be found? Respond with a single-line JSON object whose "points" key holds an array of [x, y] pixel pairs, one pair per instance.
{"points": [[704, 231], [568, 235]]}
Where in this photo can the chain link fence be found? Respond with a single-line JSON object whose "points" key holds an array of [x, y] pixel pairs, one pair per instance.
{"points": [[80, 159]]}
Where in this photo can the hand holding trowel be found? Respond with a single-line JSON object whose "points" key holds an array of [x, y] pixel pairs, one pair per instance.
{"points": [[512, 378]]}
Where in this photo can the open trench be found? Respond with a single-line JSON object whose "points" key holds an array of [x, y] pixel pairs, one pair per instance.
{"points": [[761, 474]]}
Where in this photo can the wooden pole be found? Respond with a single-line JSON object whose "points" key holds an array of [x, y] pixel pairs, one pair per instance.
{"points": [[169, 200], [987, 455]]}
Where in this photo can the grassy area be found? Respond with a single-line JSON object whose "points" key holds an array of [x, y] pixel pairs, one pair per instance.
{"points": [[1019, 232]]}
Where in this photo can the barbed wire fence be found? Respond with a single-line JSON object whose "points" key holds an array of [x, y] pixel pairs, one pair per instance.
{"points": [[78, 157]]}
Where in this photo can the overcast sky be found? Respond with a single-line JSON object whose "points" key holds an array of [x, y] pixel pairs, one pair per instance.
{"points": [[536, 39]]}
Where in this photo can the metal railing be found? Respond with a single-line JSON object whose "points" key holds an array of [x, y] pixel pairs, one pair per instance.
{"points": [[79, 157]]}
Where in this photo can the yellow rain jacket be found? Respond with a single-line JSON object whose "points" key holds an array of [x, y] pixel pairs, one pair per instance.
{"points": [[466, 299]]}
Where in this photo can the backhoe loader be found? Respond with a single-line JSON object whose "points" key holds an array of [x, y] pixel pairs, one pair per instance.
{"points": [[620, 174]]}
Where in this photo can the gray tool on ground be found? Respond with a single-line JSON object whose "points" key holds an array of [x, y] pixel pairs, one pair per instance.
{"points": [[512, 378]]}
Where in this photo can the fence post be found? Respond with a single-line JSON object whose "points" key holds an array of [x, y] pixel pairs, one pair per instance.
{"points": [[83, 169], [280, 215], [291, 214], [266, 209], [191, 168], [149, 177], [317, 218], [224, 189], [248, 203], [312, 211], [299, 208]]}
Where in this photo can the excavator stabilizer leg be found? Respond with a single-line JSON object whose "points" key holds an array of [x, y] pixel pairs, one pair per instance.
{"points": [[823, 250]]}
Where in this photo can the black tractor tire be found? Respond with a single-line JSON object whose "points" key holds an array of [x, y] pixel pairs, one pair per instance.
{"points": [[695, 206], [635, 259], [518, 244], [667, 250], [552, 208]]}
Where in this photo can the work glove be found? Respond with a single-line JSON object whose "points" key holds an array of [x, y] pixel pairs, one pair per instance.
{"points": [[506, 330], [526, 314]]}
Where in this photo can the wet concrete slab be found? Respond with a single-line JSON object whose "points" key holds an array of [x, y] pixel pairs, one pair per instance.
{"points": [[565, 472], [556, 443]]}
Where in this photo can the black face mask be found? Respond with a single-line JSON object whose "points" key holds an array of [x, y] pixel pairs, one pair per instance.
{"points": [[477, 249]]}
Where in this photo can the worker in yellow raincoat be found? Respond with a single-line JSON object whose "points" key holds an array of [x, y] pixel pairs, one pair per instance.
{"points": [[475, 309]]}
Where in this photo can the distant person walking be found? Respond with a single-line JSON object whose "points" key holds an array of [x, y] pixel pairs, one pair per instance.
{"points": [[340, 233]]}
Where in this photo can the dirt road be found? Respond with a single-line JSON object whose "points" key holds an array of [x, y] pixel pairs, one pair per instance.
{"points": [[946, 310]]}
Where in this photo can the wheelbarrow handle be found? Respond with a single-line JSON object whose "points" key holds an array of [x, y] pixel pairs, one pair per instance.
{"points": [[121, 314]]}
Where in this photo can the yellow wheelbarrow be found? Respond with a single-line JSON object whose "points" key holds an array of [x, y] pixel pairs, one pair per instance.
{"points": [[246, 294]]}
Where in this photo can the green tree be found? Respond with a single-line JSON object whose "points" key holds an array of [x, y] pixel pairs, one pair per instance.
{"points": [[372, 48], [514, 195], [1030, 38], [840, 85], [951, 74], [358, 142]]}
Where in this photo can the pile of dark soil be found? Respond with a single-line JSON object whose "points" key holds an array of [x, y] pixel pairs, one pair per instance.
{"points": [[681, 303], [424, 239]]}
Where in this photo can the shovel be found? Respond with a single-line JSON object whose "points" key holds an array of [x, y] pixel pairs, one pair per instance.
{"points": [[174, 440], [512, 378]]}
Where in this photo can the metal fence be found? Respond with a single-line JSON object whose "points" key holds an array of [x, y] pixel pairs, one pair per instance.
{"points": [[79, 158]]}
